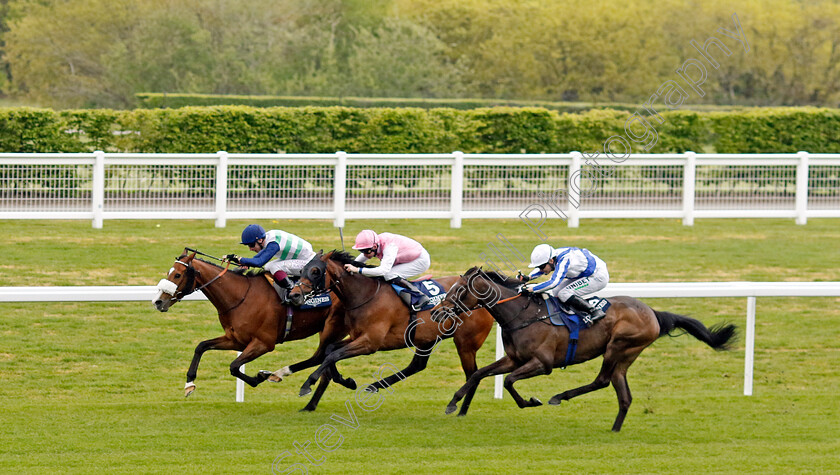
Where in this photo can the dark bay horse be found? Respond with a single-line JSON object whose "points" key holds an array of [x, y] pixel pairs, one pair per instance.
{"points": [[253, 318], [534, 347], [378, 320]]}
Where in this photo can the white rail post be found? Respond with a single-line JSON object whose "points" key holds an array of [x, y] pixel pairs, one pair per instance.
{"points": [[573, 191], [221, 189], [500, 352], [749, 351], [97, 192], [802, 188], [456, 197], [240, 385], [340, 189], [689, 186]]}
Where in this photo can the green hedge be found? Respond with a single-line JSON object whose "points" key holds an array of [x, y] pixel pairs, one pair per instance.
{"points": [[406, 130], [156, 100]]}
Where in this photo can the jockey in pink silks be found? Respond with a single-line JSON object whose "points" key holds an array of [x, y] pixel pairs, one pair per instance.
{"points": [[400, 257]]}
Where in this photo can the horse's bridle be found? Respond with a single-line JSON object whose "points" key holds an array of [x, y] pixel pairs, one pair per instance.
{"points": [[335, 286], [505, 327], [178, 295]]}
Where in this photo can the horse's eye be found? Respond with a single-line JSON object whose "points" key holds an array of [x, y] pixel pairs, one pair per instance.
{"points": [[177, 276], [316, 271]]}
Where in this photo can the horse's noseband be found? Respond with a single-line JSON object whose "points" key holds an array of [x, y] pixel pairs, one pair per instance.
{"points": [[171, 288]]}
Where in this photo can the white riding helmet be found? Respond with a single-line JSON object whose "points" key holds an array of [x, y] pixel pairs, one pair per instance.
{"points": [[540, 255]]}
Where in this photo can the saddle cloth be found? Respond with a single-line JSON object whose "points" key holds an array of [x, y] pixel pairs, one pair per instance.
{"points": [[428, 286], [557, 310], [316, 301]]}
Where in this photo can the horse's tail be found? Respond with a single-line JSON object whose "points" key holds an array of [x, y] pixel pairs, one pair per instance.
{"points": [[719, 337]]}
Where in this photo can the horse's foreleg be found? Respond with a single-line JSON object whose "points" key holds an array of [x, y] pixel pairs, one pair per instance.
{"points": [[220, 343], [532, 368], [501, 366], [350, 349], [316, 359], [469, 366], [348, 383], [254, 350], [418, 363], [319, 392]]}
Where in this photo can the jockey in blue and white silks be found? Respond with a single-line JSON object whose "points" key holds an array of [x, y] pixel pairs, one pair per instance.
{"points": [[574, 272]]}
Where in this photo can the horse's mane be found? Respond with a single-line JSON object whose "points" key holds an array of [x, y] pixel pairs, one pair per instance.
{"points": [[344, 257], [497, 277]]}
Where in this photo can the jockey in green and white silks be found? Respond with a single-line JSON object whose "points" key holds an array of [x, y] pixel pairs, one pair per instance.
{"points": [[281, 253], [574, 273]]}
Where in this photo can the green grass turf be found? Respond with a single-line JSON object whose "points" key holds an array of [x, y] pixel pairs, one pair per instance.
{"points": [[97, 387]]}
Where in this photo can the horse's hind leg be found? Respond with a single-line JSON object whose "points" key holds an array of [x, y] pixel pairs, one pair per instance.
{"points": [[532, 368], [622, 390], [601, 381], [220, 343]]}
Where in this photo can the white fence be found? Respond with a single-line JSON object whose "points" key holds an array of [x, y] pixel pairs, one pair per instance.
{"points": [[456, 186], [750, 290]]}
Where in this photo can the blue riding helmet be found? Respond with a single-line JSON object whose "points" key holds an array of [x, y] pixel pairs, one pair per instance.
{"points": [[251, 233]]}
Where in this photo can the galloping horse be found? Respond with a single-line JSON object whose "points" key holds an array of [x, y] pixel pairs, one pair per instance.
{"points": [[378, 320], [535, 347], [254, 320]]}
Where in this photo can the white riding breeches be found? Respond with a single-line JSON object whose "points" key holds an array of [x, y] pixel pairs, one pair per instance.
{"points": [[411, 268], [292, 267], [583, 286]]}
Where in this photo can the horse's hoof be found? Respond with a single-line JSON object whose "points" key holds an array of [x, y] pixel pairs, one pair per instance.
{"points": [[307, 409], [371, 389], [535, 402], [351, 384], [304, 391], [277, 376], [555, 401], [189, 389], [451, 408]]}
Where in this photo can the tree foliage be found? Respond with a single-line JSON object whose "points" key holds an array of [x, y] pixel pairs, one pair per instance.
{"points": [[99, 53]]}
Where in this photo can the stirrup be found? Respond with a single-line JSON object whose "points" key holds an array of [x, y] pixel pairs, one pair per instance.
{"points": [[420, 303]]}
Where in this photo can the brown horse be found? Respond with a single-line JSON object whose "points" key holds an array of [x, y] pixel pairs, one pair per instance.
{"points": [[254, 320], [534, 347], [378, 320]]}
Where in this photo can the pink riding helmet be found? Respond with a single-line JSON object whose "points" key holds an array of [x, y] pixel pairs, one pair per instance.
{"points": [[365, 240]]}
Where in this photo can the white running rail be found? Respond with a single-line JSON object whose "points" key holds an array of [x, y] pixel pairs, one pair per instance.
{"points": [[750, 290]]}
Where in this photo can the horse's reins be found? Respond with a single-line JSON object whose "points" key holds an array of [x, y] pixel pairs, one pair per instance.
{"points": [[521, 326], [337, 282], [214, 279]]}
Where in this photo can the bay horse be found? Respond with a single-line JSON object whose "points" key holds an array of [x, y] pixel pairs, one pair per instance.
{"points": [[534, 346], [378, 320], [253, 318]]}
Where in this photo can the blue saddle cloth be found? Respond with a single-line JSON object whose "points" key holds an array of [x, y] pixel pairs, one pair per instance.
{"points": [[561, 315], [430, 287], [317, 301]]}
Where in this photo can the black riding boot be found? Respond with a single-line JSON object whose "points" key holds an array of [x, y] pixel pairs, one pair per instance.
{"points": [[413, 290], [583, 306], [286, 284]]}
